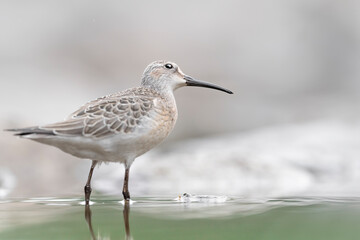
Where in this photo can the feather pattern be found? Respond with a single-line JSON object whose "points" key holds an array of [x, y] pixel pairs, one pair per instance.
{"points": [[123, 112]]}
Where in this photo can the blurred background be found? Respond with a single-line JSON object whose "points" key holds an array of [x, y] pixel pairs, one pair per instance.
{"points": [[291, 128]]}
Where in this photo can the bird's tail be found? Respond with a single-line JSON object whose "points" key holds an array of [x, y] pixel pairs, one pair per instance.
{"points": [[30, 130]]}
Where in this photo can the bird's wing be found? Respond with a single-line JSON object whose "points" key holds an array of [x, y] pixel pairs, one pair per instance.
{"points": [[107, 116]]}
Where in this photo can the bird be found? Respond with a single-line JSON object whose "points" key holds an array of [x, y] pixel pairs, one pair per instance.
{"points": [[122, 126]]}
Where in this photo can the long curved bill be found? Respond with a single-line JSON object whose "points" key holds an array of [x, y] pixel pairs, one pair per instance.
{"points": [[197, 83]]}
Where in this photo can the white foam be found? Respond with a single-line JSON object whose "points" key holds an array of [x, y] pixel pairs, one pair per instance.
{"points": [[84, 203], [186, 197], [130, 201]]}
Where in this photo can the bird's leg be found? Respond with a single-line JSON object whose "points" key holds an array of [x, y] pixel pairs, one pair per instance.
{"points": [[125, 191], [87, 187]]}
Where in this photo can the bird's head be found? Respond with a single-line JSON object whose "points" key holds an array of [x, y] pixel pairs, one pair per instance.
{"points": [[167, 76]]}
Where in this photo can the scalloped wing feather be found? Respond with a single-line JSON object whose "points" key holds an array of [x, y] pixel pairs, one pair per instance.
{"points": [[106, 116]]}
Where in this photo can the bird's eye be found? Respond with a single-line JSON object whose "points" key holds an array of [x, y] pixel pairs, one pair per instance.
{"points": [[169, 66]]}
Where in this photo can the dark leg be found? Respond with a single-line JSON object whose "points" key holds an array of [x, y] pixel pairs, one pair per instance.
{"points": [[125, 191], [87, 187]]}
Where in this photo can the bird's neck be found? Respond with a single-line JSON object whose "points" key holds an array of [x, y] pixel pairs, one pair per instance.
{"points": [[165, 92]]}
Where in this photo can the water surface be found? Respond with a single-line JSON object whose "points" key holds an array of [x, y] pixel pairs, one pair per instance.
{"points": [[166, 218]]}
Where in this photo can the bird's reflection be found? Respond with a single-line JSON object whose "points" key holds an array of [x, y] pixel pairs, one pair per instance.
{"points": [[126, 213], [88, 221]]}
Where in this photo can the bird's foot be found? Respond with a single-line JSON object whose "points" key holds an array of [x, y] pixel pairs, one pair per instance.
{"points": [[126, 195]]}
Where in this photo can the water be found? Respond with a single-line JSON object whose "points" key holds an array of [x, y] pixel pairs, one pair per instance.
{"points": [[181, 218]]}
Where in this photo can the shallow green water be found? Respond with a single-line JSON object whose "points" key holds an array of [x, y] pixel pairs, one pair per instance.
{"points": [[164, 218]]}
